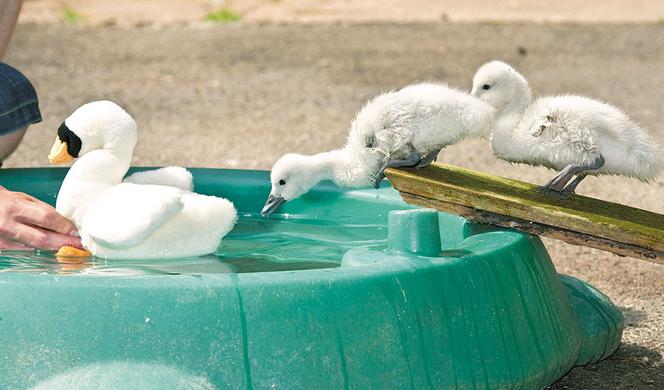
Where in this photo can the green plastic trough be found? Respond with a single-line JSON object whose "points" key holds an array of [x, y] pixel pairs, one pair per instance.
{"points": [[441, 303]]}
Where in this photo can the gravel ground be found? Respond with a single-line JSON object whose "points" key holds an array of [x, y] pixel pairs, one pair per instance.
{"points": [[241, 95], [165, 12]]}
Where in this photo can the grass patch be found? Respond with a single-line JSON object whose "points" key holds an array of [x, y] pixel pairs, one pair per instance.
{"points": [[72, 16], [222, 15]]}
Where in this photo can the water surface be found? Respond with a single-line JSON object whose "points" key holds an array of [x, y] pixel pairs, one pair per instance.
{"points": [[283, 242]]}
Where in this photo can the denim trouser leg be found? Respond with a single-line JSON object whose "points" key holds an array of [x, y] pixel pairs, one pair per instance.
{"points": [[19, 106]]}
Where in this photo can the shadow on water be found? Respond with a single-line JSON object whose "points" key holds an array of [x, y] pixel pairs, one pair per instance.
{"points": [[631, 367]]}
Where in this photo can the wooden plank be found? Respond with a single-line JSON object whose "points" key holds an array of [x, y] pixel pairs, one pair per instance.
{"points": [[580, 220]]}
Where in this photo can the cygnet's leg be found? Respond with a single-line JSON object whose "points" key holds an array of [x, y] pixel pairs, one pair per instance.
{"points": [[558, 183], [428, 159], [571, 187], [412, 160]]}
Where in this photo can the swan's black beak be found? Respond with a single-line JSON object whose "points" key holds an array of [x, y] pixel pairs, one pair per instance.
{"points": [[272, 204]]}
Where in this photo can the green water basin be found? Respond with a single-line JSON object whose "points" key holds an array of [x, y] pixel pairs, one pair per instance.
{"points": [[343, 290]]}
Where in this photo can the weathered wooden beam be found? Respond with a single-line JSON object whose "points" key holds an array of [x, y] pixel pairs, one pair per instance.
{"points": [[580, 220]]}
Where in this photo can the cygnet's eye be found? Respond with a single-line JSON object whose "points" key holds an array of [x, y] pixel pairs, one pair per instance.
{"points": [[486, 86], [282, 182]]}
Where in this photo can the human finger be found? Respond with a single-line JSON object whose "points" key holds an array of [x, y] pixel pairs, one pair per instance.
{"points": [[44, 216], [42, 238], [6, 244]]}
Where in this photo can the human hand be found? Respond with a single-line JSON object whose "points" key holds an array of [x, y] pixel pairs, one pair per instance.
{"points": [[27, 222]]}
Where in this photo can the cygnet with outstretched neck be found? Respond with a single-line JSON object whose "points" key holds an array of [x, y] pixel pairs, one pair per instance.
{"points": [[404, 128]]}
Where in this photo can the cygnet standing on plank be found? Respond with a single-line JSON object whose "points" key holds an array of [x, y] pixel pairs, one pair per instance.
{"points": [[404, 128], [572, 134]]}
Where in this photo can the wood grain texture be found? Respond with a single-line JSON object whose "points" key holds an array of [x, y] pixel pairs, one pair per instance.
{"points": [[580, 220]]}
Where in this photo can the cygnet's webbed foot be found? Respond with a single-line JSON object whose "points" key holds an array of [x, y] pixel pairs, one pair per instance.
{"points": [[380, 175], [558, 195], [561, 195], [550, 192], [547, 189], [427, 159], [558, 182], [409, 162], [566, 192]]}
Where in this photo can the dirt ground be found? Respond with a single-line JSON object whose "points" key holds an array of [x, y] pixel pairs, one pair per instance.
{"points": [[240, 95], [159, 12]]}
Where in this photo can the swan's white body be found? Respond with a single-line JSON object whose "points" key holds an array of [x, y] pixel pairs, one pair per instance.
{"points": [[557, 131], [127, 220], [424, 117]]}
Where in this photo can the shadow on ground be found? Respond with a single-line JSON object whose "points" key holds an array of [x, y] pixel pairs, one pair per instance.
{"points": [[633, 317], [631, 367]]}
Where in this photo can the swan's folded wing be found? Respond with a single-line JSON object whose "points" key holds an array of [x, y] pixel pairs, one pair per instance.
{"points": [[566, 130], [390, 140], [129, 213], [169, 176]]}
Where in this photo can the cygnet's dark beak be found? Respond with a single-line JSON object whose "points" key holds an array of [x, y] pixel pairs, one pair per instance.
{"points": [[272, 204]]}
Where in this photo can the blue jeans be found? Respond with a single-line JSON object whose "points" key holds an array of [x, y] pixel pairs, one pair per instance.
{"points": [[19, 106]]}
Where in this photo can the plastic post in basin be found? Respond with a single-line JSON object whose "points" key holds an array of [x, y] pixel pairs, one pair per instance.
{"points": [[414, 231]]}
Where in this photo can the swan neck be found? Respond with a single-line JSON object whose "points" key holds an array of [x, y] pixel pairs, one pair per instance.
{"points": [[108, 166], [122, 140], [90, 176], [517, 105], [509, 116], [506, 124], [97, 170], [327, 165]]}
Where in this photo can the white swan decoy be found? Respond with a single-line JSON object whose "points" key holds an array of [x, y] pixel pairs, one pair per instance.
{"points": [[404, 128], [572, 134], [128, 220]]}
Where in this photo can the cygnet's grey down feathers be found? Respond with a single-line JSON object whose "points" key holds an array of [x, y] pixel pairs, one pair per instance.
{"points": [[559, 131], [417, 120]]}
